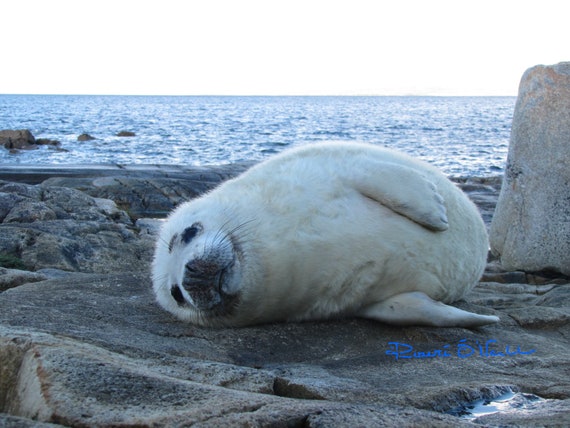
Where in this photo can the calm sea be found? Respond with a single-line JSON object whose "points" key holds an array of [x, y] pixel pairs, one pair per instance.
{"points": [[460, 135]]}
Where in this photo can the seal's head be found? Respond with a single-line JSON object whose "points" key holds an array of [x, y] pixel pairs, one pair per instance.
{"points": [[197, 271]]}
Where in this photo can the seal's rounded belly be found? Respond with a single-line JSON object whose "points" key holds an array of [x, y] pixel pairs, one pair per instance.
{"points": [[325, 230]]}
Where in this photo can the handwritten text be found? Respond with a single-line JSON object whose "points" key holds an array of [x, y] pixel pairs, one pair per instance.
{"points": [[463, 349]]}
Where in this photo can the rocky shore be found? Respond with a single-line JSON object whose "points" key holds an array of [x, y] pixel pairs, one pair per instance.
{"points": [[82, 342]]}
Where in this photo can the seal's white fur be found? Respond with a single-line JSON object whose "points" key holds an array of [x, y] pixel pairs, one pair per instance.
{"points": [[334, 229]]}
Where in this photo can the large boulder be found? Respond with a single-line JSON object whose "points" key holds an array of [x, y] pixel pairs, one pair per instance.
{"points": [[530, 230], [17, 139], [23, 139]]}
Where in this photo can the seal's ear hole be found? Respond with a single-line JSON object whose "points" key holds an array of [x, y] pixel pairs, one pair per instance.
{"points": [[190, 232]]}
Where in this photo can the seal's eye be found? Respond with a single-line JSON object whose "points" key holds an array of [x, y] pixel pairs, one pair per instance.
{"points": [[177, 294], [190, 232]]}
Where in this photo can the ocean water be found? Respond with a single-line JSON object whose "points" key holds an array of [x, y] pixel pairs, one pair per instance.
{"points": [[461, 135]]}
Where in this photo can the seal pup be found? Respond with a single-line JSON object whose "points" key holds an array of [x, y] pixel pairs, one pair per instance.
{"points": [[325, 230]]}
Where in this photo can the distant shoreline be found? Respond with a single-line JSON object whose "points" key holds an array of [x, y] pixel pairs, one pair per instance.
{"points": [[261, 96]]}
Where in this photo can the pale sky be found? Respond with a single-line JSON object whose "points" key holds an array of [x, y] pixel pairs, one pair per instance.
{"points": [[275, 47]]}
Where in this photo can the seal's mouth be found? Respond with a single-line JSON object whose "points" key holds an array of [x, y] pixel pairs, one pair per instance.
{"points": [[205, 281]]}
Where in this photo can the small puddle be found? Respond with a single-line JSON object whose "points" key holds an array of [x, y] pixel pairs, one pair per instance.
{"points": [[509, 402]]}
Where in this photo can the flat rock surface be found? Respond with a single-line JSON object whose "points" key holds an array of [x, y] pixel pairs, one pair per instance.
{"points": [[92, 348]]}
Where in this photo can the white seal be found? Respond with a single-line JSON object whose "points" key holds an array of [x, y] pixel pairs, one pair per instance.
{"points": [[321, 231]]}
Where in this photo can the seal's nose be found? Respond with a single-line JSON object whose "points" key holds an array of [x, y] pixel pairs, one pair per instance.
{"points": [[202, 283]]}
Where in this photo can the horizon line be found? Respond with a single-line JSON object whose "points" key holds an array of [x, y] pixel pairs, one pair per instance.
{"points": [[251, 95]]}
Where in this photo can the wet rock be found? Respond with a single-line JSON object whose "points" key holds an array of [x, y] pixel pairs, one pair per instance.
{"points": [[47, 142], [531, 226], [24, 140], [126, 134], [548, 413], [85, 137], [17, 139]]}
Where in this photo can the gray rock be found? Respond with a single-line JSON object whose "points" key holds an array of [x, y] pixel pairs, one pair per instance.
{"points": [[126, 134], [82, 342], [483, 192], [50, 143], [85, 137], [10, 278], [88, 350], [531, 226], [23, 139], [7, 421], [48, 225], [142, 191], [17, 139], [61, 228]]}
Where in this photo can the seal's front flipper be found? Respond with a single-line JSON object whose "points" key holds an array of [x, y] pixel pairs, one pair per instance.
{"points": [[416, 308], [404, 190]]}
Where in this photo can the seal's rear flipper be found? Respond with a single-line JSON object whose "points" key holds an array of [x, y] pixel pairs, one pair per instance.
{"points": [[416, 308]]}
